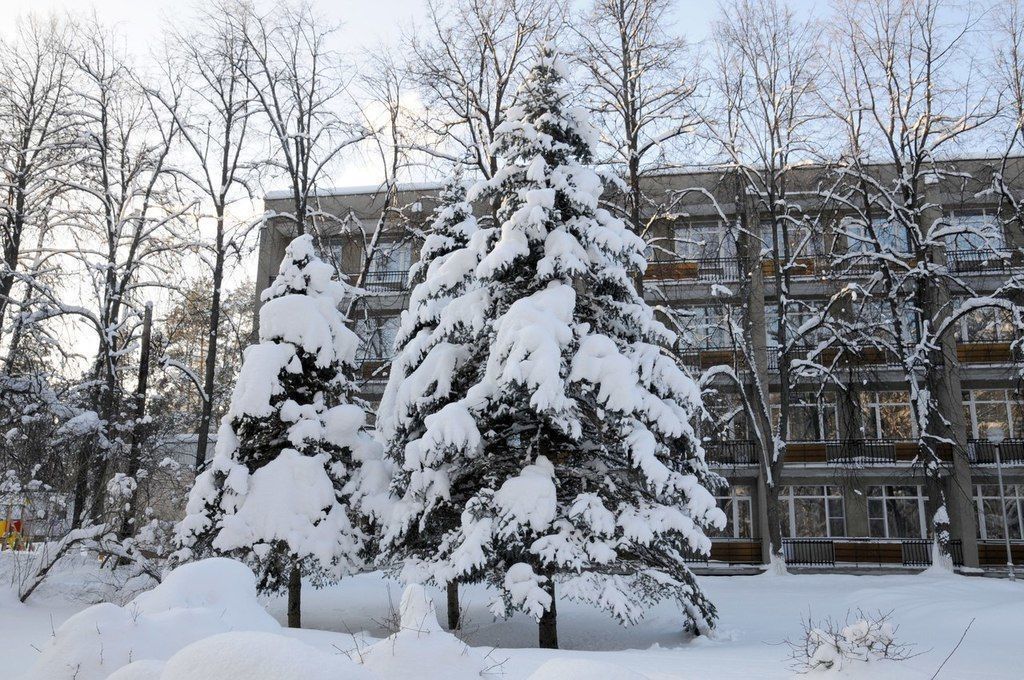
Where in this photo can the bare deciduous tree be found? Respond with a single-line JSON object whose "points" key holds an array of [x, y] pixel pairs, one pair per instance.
{"points": [[467, 64]]}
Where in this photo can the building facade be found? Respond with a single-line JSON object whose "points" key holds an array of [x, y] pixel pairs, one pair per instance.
{"points": [[853, 488]]}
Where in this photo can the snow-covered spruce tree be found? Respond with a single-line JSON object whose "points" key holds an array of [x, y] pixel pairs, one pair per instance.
{"points": [[431, 368], [277, 493], [575, 446]]}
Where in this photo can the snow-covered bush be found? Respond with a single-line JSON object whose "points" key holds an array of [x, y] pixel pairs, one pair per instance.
{"points": [[278, 492], [421, 644], [194, 601], [829, 645], [248, 655]]}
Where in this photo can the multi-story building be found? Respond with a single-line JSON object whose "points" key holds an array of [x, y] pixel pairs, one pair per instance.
{"points": [[853, 487]]}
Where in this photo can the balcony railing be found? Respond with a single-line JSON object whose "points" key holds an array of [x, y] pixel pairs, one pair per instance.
{"points": [[910, 552], [809, 551], [387, 280], [712, 269], [983, 452], [718, 269], [996, 261], [737, 452], [851, 452]]}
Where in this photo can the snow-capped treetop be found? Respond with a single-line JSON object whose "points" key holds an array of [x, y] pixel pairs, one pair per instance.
{"points": [[302, 271], [442, 273]]}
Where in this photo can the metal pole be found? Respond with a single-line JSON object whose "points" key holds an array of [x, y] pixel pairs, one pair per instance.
{"points": [[1006, 521]]}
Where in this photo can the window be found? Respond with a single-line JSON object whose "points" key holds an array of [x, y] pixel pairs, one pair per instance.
{"points": [[887, 415], [814, 511], [704, 240], [990, 515], [876, 317], [803, 240], [707, 327], [980, 232], [728, 419], [989, 324], [987, 410], [377, 335], [798, 313], [891, 236], [391, 258], [896, 512], [812, 416], [738, 508]]}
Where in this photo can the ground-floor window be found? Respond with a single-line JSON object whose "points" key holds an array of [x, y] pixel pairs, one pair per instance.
{"points": [[739, 513], [896, 512], [990, 515], [813, 511]]}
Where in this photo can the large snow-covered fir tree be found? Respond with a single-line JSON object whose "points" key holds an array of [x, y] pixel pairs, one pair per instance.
{"points": [[433, 366], [573, 452], [278, 491]]}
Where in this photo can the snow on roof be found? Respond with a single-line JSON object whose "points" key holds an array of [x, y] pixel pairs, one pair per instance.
{"points": [[358, 190]]}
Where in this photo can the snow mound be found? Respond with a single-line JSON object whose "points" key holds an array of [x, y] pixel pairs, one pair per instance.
{"points": [[247, 656], [195, 601], [422, 651], [582, 669], [418, 610]]}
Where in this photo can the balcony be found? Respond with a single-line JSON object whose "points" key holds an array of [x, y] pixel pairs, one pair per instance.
{"points": [[387, 280], [710, 270], [983, 452], [997, 261], [850, 551], [827, 552], [721, 269], [850, 452], [737, 452]]}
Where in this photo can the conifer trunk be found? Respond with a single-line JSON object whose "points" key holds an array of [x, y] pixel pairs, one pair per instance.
{"points": [[548, 624], [454, 622], [295, 597]]}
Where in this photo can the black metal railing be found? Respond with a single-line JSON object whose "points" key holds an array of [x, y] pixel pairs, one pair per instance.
{"points": [[861, 452], [982, 261], [387, 280], [917, 552], [708, 269], [809, 551], [731, 452], [983, 452]]}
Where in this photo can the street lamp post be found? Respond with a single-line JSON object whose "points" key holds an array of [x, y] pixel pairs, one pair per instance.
{"points": [[996, 437]]}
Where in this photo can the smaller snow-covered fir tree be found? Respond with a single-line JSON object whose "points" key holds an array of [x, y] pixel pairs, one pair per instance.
{"points": [[572, 455], [278, 492], [435, 360]]}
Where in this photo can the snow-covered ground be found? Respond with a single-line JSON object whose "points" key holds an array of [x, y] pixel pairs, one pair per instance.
{"points": [[758, 613]]}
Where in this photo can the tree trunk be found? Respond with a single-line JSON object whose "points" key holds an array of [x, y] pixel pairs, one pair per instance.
{"points": [[548, 624], [454, 622], [212, 336], [777, 559], [295, 597], [137, 433]]}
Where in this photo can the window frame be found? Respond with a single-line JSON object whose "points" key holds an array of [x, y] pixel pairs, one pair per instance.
{"points": [[885, 497]]}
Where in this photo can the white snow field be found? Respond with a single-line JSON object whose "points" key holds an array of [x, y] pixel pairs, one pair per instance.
{"points": [[205, 623]]}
